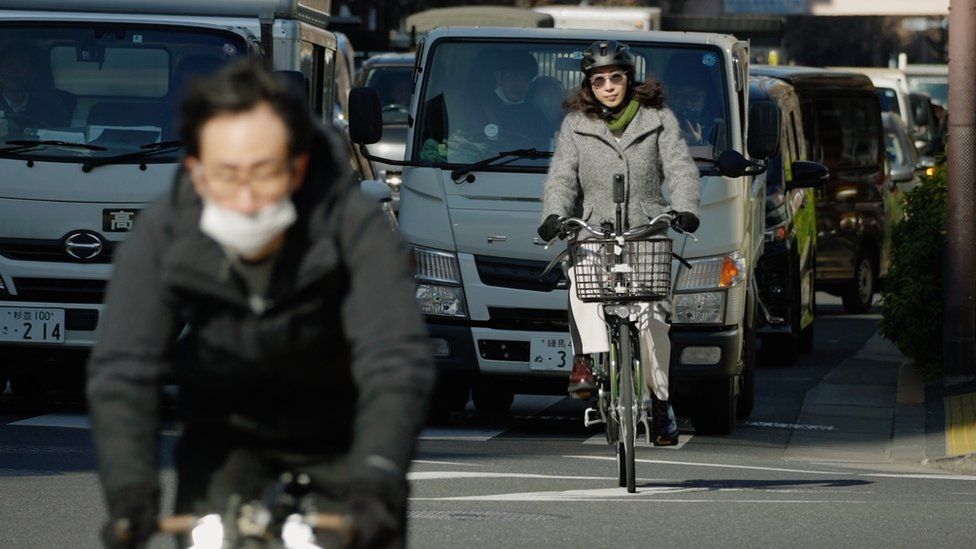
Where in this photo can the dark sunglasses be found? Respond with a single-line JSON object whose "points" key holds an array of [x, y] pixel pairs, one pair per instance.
{"points": [[615, 78]]}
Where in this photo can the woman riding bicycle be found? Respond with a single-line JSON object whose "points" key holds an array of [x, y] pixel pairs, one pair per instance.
{"points": [[618, 125]]}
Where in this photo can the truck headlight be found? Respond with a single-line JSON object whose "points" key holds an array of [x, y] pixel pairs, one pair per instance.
{"points": [[699, 308], [434, 299], [710, 292], [439, 289]]}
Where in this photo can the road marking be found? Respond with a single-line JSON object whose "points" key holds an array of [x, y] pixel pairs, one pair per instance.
{"points": [[794, 426], [919, 476], [717, 465], [450, 475], [452, 463], [474, 435], [641, 442]]}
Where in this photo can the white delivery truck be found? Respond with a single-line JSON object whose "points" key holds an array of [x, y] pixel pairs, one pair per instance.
{"points": [[471, 202], [88, 137]]}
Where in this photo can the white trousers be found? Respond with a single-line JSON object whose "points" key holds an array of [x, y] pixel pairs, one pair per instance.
{"points": [[590, 335]]}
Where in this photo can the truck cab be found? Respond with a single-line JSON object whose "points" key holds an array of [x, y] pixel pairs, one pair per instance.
{"points": [[498, 326], [97, 139]]}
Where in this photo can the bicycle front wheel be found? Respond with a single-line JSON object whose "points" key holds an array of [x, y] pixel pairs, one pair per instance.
{"points": [[628, 433]]}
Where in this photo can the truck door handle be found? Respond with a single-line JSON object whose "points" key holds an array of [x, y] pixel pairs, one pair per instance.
{"points": [[497, 238]]}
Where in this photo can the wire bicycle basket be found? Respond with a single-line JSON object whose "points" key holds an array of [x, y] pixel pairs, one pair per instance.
{"points": [[637, 270]]}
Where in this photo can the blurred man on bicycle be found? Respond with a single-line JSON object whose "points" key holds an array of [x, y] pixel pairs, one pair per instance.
{"points": [[277, 298]]}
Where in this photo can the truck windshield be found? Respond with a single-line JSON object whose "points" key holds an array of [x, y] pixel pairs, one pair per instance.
{"points": [[117, 87], [483, 97]]}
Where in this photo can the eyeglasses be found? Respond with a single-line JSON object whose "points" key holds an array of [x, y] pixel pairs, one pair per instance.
{"points": [[264, 179], [616, 78]]}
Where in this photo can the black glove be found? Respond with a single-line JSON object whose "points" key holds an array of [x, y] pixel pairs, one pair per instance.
{"points": [[686, 221], [550, 228], [375, 523], [133, 513]]}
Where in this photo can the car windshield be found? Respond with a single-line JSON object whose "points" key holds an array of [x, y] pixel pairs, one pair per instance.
{"points": [[481, 98], [117, 87], [394, 84], [937, 89]]}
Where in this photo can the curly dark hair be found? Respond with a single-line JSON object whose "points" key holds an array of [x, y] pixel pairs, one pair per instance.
{"points": [[649, 93]]}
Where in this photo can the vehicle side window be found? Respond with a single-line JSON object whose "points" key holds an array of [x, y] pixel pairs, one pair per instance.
{"points": [[894, 148], [312, 60], [847, 132]]}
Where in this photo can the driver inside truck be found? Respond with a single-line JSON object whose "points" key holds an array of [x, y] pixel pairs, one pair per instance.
{"points": [[25, 102], [687, 83]]}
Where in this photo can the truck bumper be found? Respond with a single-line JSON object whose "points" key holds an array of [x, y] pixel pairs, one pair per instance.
{"points": [[684, 374]]}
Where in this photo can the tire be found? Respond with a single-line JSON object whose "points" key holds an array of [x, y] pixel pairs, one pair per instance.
{"points": [[627, 426], [718, 409], [747, 385], [449, 396], [492, 398], [860, 294]]}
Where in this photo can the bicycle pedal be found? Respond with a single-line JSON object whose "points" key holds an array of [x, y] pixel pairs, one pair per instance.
{"points": [[592, 417]]}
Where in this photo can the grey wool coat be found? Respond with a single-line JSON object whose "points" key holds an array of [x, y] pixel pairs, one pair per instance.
{"points": [[651, 153]]}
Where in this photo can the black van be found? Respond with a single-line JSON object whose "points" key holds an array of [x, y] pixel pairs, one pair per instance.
{"points": [[786, 272], [842, 126]]}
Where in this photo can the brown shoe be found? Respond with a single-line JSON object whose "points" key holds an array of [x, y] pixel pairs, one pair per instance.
{"points": [[581, 379]]}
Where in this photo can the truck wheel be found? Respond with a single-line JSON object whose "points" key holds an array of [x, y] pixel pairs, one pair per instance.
{"points": [[747, 381], [491, 398], [449, 396], [716, 411], [859, 295]]}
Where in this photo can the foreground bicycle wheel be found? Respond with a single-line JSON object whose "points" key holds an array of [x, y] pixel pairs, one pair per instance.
{"points": [[626, 406]]}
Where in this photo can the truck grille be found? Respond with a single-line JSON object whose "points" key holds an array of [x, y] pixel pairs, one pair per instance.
{"points": [[520, 274], [541, 320], [29, 249], [58, 290]]}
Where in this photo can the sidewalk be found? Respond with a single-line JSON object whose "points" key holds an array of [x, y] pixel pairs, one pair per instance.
{"points": [[872, 408]]}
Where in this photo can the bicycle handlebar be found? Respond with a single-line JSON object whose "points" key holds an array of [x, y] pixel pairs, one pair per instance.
{"points": [[570, 223]]}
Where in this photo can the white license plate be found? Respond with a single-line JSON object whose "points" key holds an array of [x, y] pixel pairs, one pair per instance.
{"points": [[29, 325], [551, 353]]}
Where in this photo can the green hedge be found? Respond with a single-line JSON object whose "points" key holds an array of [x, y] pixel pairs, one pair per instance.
{"points": [[913, 288]]}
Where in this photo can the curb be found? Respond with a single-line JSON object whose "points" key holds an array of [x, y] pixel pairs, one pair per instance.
{"points": [[965, 464]]}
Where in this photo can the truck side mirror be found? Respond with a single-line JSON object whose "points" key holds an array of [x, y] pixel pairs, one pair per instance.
{"points": [[807, 175], [764, 130], [732, 164], [365, 116]]}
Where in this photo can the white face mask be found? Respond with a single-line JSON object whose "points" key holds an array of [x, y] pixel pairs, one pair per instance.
{"points": [[243, 234]]}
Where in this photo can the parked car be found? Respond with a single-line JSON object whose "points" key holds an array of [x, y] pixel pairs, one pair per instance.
{"points": [[786, 272], [391, 75], [842, 125], [498, 327]]}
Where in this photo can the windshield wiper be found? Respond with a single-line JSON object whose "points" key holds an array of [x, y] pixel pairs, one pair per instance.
{"points": [[145, 151], [26, 144], [464, 173]]}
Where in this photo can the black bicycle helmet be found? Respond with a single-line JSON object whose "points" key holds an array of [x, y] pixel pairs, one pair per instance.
{"points": [[607, 53]]}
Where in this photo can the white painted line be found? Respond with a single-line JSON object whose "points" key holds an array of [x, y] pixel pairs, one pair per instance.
{"points": [[596, 494], [601, 440], [717, 465], [62, 421], [636, 498], [920, 476], [451, 463], [794, 426], [450, 475], [472, 435]]}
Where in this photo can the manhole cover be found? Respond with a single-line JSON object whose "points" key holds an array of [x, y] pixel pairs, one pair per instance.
{"points": [[480, 515]]}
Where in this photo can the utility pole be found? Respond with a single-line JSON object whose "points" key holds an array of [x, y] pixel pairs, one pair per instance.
{"points": [[959, 332]]}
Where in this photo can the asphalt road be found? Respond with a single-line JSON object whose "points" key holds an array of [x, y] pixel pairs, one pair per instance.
{"points": [[538, 478]]}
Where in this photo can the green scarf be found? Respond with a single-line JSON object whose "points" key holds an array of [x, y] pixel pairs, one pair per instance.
{"points": [[620, 120]]}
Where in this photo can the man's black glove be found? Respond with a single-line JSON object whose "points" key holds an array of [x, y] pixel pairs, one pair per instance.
{"points": [[550, 228], [375, 523], [686, 221], [133, 516]]}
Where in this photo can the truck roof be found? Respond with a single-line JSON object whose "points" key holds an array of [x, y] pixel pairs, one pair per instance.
{"points": [[803, 78], [495, 16], [724, 41], [316, 10]]}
